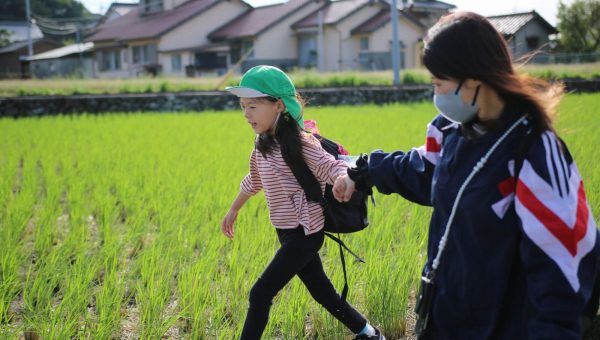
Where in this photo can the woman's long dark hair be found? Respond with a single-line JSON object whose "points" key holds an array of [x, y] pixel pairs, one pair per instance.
{"points": [[465, 45], [286, 134]]}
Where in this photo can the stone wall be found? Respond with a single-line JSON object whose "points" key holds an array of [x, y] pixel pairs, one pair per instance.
{"points": [[203, 101], [196, 101]]}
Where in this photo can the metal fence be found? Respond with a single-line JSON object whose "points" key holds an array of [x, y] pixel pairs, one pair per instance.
{"points": [[565, 58]]}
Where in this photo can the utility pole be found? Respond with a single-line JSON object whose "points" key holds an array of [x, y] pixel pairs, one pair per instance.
{"points": [[320, 47], [29, 42], [395, 43]]}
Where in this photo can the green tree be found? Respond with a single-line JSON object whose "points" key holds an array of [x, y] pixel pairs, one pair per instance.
{"points": [[15, 9], [4, 37], [579, 26]]}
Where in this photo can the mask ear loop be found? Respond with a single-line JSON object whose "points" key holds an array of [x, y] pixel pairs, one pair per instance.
{"points": [[476, 94], [460, 83]]}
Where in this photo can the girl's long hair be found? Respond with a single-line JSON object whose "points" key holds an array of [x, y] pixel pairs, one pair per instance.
{"points": [[287, 134], [465, 45]]}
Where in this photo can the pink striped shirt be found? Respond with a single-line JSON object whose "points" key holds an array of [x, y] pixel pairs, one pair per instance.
{"points": [[288, 206]]}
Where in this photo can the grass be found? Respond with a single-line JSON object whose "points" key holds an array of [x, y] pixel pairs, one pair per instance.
{"points": [[109, 224], [302, 79]]}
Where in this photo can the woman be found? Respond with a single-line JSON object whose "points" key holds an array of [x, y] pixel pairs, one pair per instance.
{"points": [[513, 248]]}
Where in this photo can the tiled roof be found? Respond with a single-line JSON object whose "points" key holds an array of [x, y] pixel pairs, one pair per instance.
{"points": [[431, 4], [509, 24], [427, 4], [378, 20], [18, 30], [132, 26], [256, 21], [17, 46], [333, 12]]}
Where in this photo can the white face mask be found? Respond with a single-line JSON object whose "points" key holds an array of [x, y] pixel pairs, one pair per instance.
{"points": [[451, 106]]}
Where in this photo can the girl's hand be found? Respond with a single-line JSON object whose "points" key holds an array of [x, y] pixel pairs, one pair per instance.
{"points": [[227, 224], [343, 188]]}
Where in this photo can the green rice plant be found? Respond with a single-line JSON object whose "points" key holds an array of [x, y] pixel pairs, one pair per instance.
{"points": [[110, 224]]}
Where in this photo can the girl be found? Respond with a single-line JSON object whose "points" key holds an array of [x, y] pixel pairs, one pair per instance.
{"points": [[513, 248], [271, 106]]}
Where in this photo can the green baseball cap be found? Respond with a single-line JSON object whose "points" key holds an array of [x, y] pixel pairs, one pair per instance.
{"points": [[263, 81]]}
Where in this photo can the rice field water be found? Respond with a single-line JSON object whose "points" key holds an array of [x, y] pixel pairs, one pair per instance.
{"points": [[109, 224]]}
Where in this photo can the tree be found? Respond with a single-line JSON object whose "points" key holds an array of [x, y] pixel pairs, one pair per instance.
{"points": [[579, 26], [4, 37], [57, 9]]}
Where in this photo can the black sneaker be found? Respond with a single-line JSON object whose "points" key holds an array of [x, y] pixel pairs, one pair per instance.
{"points": [[377, 336]]}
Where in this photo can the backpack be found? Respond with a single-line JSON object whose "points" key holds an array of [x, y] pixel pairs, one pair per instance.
{"points": [[340, 217]]}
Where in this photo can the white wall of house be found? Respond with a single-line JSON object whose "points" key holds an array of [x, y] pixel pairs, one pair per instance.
{"points": [[117, 69], [341, 51], [532, 29], [169, 63], [193, 32], [408, 33], [279, 41], [170, 4]]}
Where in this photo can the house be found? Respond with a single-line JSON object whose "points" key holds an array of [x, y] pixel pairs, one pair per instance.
{"points": [[375, 44], [357, 34], [76, 59], [191, 37], [11, 65], [116, 10], [163, 36], [524, 32], [264, 35]]}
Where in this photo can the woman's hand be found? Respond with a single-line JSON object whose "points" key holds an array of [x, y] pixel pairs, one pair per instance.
{"points": [[343, 188], [227, 224]]}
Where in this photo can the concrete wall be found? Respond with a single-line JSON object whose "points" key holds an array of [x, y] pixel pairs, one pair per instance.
{"points": [[199, 101], [408, 33], [202, 101]]}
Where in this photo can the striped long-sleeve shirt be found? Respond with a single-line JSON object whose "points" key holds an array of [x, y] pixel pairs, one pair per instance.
{"points": [[288, 206]]}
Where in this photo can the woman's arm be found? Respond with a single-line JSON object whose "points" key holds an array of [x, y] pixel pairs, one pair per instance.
{"points": [[559, 248]]}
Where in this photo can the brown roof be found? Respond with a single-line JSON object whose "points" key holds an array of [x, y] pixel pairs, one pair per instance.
{"points": [[132, 26], [509, 24], [378, 20], [255, 21], [333, 13]]}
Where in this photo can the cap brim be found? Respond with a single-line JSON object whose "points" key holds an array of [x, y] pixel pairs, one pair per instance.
{"points": [[245, 92]]}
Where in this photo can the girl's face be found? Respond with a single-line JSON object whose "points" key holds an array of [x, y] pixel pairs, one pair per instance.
{"points": [[261, 113]]}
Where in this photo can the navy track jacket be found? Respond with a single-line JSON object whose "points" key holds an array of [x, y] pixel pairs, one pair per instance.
{"points": [[523, 250]]}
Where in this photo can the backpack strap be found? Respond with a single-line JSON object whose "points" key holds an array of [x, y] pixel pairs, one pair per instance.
{"points": [[312, 189]]}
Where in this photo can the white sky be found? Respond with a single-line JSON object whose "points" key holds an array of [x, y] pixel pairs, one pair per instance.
{"points": [[546, 8]]}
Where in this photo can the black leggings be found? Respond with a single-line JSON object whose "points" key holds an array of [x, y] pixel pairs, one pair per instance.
{"points": [[298, 255]]}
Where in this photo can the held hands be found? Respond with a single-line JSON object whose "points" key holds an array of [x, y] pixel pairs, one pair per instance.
{"points": [[227, 224], [343, 188]]}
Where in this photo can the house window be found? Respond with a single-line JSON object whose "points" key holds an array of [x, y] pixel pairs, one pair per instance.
{"points": [[176, 62], [248, 45], [364, 43], [144, 54], [532, 43], [111, 60], [150, 6]]}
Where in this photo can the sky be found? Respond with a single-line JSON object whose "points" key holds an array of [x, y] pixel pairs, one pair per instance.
{"points": [[546, 8]]}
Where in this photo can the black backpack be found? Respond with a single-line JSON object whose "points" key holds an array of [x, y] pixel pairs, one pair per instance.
{"points": [[340, 218]]}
